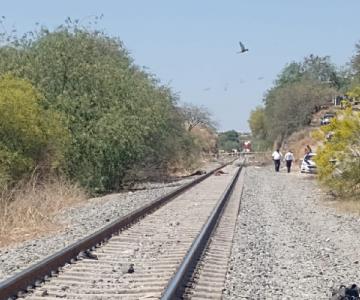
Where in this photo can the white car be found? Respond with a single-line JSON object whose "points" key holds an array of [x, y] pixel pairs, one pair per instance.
{"points": [[308, 164], [325, 120]]}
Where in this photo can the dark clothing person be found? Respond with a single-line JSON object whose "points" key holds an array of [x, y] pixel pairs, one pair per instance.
{"points": [[288, 165], [277, 165]]}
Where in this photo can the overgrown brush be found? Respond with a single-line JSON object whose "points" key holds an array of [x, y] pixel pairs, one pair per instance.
{"points": [[31, 137], [338, 159], [29, 208], [117, 114]]}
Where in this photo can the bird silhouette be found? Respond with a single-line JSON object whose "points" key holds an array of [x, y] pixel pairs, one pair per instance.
{"points": [[207, 89], [242, 48], [260, 78]]}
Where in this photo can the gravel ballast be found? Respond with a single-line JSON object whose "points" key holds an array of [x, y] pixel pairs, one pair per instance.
{"points": [[288, 243], [82, 220]]}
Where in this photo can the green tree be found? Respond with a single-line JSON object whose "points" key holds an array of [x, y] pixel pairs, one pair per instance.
{"points": [[314, 68], [31, 137], [356, 61], [229, 140], [290, 107], [257, 123], [292, 72], [118, 114]]}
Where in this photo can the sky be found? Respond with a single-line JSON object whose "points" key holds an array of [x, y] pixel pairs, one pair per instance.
{"points": [[191, 45]]}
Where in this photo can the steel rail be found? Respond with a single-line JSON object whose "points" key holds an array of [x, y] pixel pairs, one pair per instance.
{"points": [[177, 284], [28, 278]]}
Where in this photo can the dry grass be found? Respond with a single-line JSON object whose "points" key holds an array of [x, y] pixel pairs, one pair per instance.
{"points": [[28, 210], [348, 206]]}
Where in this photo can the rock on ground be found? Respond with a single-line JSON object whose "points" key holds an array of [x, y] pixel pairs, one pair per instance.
{"points": [[288, 243]]}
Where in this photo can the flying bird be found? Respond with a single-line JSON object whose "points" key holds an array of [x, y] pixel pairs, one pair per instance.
{"points": [[260, 78], [242, 48], [207, 89]]}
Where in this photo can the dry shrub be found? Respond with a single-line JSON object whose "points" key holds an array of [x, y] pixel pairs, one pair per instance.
{"points": [[298, 141], [28, 210], [206, 138], [351, 206]]}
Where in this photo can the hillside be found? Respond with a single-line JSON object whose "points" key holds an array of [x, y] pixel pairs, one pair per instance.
{"points": [[301, 138]]}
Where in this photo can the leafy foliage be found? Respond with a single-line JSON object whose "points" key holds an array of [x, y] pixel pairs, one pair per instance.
{"points": [[290, 107], [313, 68], [339, 159], [31, 136], [257, 122], [356, 60], [118, 114], [229, 140]]}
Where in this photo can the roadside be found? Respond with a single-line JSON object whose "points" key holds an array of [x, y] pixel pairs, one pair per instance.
{"points": [[288, 243]]}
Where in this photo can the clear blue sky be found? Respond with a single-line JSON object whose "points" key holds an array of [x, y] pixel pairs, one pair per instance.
{"points": [[192, 44]]}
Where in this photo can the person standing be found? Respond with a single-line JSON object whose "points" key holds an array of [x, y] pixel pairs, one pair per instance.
{"points": [[289, 157], [277, 158]]}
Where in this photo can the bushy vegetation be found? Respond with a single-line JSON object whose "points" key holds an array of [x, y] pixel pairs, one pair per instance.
{"points": [[31, 137], [81, 105], [229, 140], [339, 158]]}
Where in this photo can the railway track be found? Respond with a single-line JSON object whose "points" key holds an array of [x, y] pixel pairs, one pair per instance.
{"points": [[151, 254]]}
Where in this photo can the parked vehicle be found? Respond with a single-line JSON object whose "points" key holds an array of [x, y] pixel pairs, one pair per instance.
{"points": [[326, 118], [308, 164]]}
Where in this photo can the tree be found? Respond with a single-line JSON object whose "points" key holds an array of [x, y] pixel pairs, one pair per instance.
{"points": [[313, 68], [229, 140], [320, 69], [196, 115], [292, 72], [31, 137], [355, 62], [257, 123], [290, 107], [118, 114]]}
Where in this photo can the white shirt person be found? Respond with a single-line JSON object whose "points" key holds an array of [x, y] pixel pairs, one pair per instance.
{"points": [[289, 157], [277, 158]]}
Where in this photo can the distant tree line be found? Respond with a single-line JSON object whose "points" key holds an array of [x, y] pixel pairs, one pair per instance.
{"points": [[74, 103], [229, 140]]}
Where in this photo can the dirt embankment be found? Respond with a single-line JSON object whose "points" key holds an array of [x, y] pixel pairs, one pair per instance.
{"points": [[298, 141]]}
